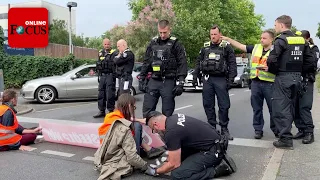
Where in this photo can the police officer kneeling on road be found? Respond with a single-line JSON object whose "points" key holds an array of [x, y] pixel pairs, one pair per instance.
{"points": [[166, 59], [124, 65], [303, 117], [195, 149], [218, 65], [288, 60], [106, 79]]}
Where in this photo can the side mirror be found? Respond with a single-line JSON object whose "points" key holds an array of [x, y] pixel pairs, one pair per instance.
{"points": [[73, 77]]}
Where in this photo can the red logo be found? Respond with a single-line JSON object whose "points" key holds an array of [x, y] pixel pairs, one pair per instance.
{"points": [[28, 27]]}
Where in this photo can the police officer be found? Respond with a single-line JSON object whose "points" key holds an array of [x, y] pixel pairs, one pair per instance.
{"points": [[107, 80], [218, 65], [195, 149], [124, 65], [262, 81], [303, 119], [289, 57], [166, 58]]}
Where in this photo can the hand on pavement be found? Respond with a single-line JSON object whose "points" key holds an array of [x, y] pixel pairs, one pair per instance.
{"points": [[150, 171], [37, 130]]}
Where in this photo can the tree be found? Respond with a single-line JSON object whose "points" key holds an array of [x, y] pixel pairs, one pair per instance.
{"points": [[294, 29], [318, 33], [136, 7], [236, 19], [59, 34]]}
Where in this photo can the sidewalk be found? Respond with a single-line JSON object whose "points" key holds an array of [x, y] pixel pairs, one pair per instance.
{"points": [[303, 163]]}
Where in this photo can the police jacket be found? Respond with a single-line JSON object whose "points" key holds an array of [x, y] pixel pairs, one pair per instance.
{"points": [[165, 58], [290, 53], [105, 61], [124, 64], [216, 60]]}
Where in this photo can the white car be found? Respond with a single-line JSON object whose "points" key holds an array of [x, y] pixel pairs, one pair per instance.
{"points": [[188, 82]]}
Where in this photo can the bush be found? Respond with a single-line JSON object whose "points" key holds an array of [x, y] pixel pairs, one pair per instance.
{"points": [[19, 69], [318, 82]]}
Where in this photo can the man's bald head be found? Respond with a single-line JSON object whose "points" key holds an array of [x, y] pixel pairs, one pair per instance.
{"points": [[106, 44], [122, 45]]}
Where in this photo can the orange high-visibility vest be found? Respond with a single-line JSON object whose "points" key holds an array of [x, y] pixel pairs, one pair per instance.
{"points": [[258, 60], [7, 133]]}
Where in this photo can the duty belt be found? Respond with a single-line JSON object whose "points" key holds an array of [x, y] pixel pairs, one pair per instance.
{"points": [[106, 74], [290, 73]]}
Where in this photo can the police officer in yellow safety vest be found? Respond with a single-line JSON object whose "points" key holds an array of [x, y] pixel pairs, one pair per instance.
{"points": [[106, 78], [262, 81], [303, 117], [289, 58]]}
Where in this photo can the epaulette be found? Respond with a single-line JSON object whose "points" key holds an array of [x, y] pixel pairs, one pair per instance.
{"points": [[155, 38], [298, 33], [112, 51], [206, 44], [173, 38]]}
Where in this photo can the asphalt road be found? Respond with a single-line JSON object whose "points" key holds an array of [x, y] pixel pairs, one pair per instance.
{"points": [[57, 161]]}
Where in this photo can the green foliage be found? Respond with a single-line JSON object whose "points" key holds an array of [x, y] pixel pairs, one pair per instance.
{"points": [[318, 33], [294, 29], [136, 7]]}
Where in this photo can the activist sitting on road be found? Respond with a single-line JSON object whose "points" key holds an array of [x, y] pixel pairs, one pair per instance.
{"points": [[125, 109], [12, 135], [195, 148], [117, 155]]}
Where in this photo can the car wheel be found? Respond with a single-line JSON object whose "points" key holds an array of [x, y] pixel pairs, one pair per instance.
{"points": [[45, 94], [242, 84], [132, 91]]}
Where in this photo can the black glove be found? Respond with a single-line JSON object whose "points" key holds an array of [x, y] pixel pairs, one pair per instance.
{"points": [[178, 90], [229, 83], [151, 171]]}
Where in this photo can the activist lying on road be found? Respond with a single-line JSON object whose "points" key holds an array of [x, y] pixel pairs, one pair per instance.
{"points": [[12, 135], [118, 154]]}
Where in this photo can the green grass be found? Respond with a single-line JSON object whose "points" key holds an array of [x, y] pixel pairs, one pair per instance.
{"points": [[318, 82]]}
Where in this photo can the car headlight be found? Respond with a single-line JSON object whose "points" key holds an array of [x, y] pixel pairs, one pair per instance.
{"points": [[237, 78]]}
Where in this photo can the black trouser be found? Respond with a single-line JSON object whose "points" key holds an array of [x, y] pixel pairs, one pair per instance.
{"points": [[303, 118], [211, 87], [261, 90], [286, 86], [157, 88], [122, 83], [198, 166], [107, 91]]}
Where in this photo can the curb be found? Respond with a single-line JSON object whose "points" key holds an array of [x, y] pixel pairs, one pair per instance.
{"points": [[25, 111]]}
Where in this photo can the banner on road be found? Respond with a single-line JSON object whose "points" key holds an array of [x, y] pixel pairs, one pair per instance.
{"points": [[86, 135]]}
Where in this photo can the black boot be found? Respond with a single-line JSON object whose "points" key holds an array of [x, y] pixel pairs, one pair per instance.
{"points": [[225, 131], [223, 169], [299, 135], [258, 134], [283, 144], [99, 115], [308, 138]]}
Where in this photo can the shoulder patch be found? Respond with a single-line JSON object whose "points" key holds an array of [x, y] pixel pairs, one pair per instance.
{"points": [[206, 44], [112, 51], [156, 37], [173, 38]]}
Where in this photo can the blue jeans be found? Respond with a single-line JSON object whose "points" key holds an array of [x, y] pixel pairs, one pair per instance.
{"points": [[261, 90], [138, 135]]}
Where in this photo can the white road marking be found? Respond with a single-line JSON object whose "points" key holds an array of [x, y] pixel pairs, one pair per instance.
{"points": [[252, 143], [57, 153], [247, 90], [231, 94], [88, 158], [31, 149], [273, 165], [53, 109], [183, 107]]}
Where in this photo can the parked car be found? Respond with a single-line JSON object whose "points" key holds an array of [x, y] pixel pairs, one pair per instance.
{"points": [[79, 83], [241, 80]]}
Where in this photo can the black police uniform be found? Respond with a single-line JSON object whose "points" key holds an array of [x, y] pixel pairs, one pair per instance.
{"points": [[201, 151], [219, 68], [107, 81], [124, 66], [166, 59], [303, 117], [289, 57]]}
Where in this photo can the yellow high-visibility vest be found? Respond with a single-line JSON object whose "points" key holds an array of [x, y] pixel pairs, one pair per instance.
{"points": [[258, 60]]}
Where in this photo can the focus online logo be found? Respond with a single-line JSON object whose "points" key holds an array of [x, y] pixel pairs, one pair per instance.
{"points": [[31, 27], [28, 27]]}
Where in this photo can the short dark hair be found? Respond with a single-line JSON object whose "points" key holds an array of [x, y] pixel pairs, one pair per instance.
{"points": [[152, 114], [286, 20], [215, 26], [8, 95], [305, 34], [270, 32], [163, 23]]}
